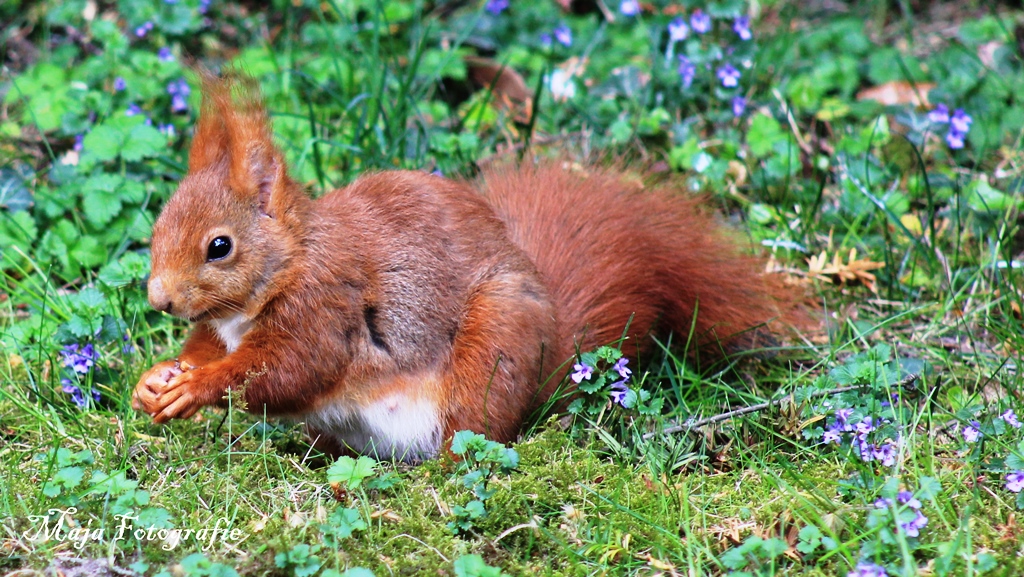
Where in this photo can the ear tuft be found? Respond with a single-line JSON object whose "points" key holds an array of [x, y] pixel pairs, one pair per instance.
{"points": [[234, 125]]}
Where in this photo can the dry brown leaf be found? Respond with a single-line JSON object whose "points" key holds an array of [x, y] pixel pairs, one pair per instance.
{"points": [[853, 271], [898, 92]]}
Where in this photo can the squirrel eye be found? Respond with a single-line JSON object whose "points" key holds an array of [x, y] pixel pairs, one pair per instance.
{"points": [[220, 247]]}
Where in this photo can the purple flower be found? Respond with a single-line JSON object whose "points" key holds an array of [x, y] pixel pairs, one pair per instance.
{"points": [[120, 84], [939, 114], [128, 348], [955, 139], [165, 55], [1011, 418], [563, 35], [168, 129], [739, 105], [842, 416], [1015, 481], [204, 5], [619, 392], [133, 109], [883, 503], [143, 29], [865, 426], [741, 26], [865, 569], [867, 452], [700, 22], [960, 121], [496, 6], [620, 367], [972, 432], [686, 71], [76, 393], [78, 141], [545, 39], [179, 91], [582, 372], [831, 436], [913, 527], [728, 74], [79, 361], [678, 30], [629, 7], [907, 498], [885, 453]]}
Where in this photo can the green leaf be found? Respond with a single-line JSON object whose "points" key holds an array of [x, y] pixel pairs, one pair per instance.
{"points": [[474, 566], [343, 522], [103, 143], [351, 471], [143, 141], [14, 195], [461, 441]]}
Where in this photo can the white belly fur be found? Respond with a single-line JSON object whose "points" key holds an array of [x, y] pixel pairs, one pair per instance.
{"points": [[231, 330], [396, 427]]}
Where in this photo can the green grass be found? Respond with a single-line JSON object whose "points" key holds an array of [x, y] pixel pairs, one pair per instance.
{"points": [[364, 86]]}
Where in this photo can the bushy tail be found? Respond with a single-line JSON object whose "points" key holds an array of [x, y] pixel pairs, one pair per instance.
{"points": [[611, 250]]}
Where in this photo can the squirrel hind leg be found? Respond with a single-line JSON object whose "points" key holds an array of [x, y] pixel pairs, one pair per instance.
{"points": [[499, 356]]}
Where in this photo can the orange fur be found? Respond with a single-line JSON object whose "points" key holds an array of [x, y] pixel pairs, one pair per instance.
{"points": [[395, 311]]}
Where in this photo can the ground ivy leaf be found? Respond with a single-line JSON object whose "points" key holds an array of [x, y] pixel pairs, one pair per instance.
{"points": [[143, 141], [102, 143]]}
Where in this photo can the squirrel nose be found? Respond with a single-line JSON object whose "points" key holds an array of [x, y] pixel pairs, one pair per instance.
{"points": [[158, 297]]}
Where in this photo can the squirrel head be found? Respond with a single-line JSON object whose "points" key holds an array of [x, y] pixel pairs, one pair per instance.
{"points": [[237, 220]]}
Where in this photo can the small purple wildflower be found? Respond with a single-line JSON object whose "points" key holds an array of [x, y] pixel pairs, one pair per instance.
{"points": [[955, 139], [165, 55], [179, 91], [582, 371], [545, 39], [127, 348], [133, 109], [82, 360], [729, 76], [842, 418], [1011, 418], [831, 436], [629, 7], [76, 393], [913, 527], [678, 30], [563, 34], [79, 138], [620, 367], [168, 129], [907, 498], [972, 432], [961, 121], [886, 453], [700, 22], [939, 114], [618, 392], [865, 569], [496, 6], [686, 71], [143, 29], [741, 26], [204, 5], [739, 106], [883, 503], [1015, 481], [120, 84], [867, 452], [865, 426]]}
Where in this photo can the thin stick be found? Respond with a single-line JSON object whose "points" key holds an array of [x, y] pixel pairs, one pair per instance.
{"points": [[762, 406]]}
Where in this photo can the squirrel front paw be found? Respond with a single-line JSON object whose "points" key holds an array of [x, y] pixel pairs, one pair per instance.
{"points": [[164, 392]]}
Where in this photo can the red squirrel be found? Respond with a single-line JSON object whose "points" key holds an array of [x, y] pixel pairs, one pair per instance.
{"points": [[404, 307]]}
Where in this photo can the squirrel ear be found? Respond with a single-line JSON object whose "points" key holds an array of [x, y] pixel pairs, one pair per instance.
{"points": [[234, 125]]}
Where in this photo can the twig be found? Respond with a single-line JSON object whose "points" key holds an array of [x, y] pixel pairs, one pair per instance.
{"points": [[762, 406]]}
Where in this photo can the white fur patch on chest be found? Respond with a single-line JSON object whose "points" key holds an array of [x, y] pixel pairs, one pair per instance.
{"points": [[397, 426], [231, 330]]}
